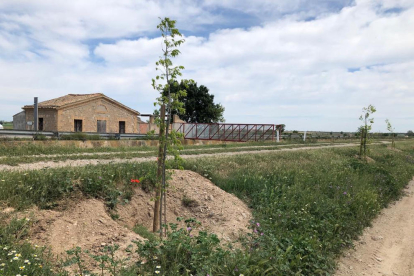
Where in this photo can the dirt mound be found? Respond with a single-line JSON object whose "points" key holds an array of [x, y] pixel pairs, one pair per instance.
{"points": [[219, 212], [86, 224]]}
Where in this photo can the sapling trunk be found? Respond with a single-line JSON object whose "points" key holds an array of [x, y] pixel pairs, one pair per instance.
{"points": [[361, 143], [157, 204]]}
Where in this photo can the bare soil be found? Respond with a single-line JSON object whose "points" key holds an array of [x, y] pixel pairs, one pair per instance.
{"points": [[387, 247], [87, 224], [219, 212]]}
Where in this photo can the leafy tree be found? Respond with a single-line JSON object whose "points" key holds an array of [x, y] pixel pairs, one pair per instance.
{"points": [[198, 103], [168, 101], [391, 130], [410, 133], [281, 128], [366, 128]]}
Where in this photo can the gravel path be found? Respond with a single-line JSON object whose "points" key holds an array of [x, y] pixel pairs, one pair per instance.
{"points": [[386, 248], [75, 163]]}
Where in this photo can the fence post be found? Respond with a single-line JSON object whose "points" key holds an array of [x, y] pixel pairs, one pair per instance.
{"points": [[304, 137]]}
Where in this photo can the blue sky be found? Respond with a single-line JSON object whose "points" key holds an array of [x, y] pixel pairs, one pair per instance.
{"points": [[312, 65]]}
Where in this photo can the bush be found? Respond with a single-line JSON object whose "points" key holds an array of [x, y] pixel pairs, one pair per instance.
{"points": [[39, 137], [80, 136]]}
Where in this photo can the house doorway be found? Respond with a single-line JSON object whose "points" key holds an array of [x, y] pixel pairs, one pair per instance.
{"points": [[101, 126], [122, 127], [40, 124]]}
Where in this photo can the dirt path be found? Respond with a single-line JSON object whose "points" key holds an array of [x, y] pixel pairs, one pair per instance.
{"points": [[76, 163], [386, 248]]}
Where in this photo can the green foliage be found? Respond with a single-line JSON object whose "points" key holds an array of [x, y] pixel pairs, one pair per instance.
{"points": [[310, 205], [143, 232], [39, 137], [281, 128], [391, 130], [168, 102], [410, 133], [46, 188], [109, 264], [80, 136], [198, 103], [366, 128], [168, 72], [183, 253], [17, 256]]}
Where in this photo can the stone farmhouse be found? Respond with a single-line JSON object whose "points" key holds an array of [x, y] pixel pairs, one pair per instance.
{"points": [[80, 113]]}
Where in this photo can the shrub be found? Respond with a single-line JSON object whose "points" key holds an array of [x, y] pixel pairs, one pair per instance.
{"points": [[80, 136]]}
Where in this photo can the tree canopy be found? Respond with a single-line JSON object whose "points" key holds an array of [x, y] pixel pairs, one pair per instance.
{"points": [[198, 104]]}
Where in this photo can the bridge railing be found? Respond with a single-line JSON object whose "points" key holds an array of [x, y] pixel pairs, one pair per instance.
{"points": [[227, 132]]}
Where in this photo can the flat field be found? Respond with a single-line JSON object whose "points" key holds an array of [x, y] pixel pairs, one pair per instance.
{"points": [[308, 207], [8, 125]]}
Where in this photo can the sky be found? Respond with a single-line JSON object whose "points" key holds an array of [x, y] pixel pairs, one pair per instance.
{"points": [[309, 64]]}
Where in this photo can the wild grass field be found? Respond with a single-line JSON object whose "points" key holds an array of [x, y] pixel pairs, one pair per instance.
{"points": [[8, 148], [308, 206], [13, 154]]}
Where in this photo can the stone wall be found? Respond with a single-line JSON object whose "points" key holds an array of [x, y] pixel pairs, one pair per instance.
{"points": [[49, 118], [91, 112], [19, 121], [143, 128], [106, 143]]}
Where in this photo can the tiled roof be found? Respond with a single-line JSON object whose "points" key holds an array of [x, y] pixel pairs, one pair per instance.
{"points": [[73, 99], [64, 100]]}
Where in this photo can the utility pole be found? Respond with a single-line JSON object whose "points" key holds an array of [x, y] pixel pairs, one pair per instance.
{"points": [[35, 115]]}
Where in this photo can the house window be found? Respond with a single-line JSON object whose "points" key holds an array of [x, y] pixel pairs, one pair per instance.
{"points": [[78, 125], [122, 127], [101, 126], [40, 124]]}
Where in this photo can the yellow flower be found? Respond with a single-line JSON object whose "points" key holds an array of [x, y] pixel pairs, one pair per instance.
{"points": [[21, 267], [157, 272]]}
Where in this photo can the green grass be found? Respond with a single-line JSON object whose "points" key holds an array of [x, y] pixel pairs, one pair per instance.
{"points": [[27, 149], [17, 256], [145, 233], [144, 152], [309, 205], [134, 152], [8, 125]]}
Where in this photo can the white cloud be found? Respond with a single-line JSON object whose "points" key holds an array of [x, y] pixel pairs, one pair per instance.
{"points": [[314, 74]]}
